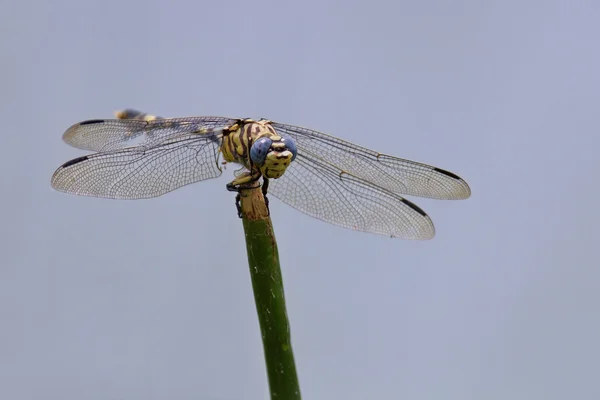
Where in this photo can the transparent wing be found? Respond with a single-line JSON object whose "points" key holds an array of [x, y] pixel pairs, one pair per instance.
{"points": [[113, 134], [328, 193], [394, 174], [141, 172]]}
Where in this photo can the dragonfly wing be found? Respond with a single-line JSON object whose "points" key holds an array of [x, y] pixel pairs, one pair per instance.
{"points": [[332, 195], [392, 173], [141, 172], [113, 134]]}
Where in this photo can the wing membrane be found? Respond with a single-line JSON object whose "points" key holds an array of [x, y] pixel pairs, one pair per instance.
{"points": [[113, 134], [329, 194], [394, 174], [141, 172]]}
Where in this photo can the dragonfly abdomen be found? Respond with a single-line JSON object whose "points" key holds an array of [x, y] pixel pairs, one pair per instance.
{"points": [[130, 113]]}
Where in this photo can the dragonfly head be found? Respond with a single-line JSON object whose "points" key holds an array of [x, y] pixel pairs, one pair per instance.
{"points": [[272, 155]]}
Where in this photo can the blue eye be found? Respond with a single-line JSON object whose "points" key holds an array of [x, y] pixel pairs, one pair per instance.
{"points": [[291, 146], [259, 150]]}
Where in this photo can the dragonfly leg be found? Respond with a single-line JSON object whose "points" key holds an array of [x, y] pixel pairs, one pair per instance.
{"points": [[264, 188], [238, 198], [246, 180], [232, 188]]}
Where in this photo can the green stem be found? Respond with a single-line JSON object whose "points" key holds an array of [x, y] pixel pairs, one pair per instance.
{"points": [[267, 283]]}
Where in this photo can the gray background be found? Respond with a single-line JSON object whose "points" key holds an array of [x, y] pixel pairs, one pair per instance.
{"points": [[152, 299]]}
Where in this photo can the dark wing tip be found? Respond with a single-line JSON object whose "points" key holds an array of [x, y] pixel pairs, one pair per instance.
{"points": [[425, 233], [414, 207], [74, 161], [465, 191], [58, 182], [91, 122], [422, 234], [450, 174]]}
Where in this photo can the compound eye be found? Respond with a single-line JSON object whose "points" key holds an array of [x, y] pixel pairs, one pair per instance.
{"points": [[291, 146], [259, 150]]}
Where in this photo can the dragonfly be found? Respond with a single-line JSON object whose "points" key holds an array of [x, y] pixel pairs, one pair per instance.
{"points": [[138, 155]]}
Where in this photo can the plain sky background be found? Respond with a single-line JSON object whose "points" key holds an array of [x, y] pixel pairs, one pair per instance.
{"points": [[144, 300]]}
